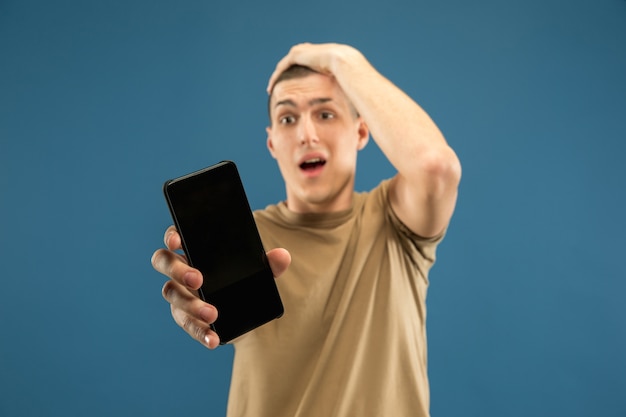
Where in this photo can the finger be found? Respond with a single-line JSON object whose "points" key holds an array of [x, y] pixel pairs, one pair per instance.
{"points": [[279, 260], [277, 71], [195, 328], [172, 239], [174, 266], [191, 313], [287, 61]]}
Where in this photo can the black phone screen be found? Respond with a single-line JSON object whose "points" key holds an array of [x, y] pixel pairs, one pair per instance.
{"points": [[215, 221], [220, 238]]}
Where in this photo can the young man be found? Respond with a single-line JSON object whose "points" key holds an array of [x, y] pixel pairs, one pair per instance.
{"points": [[352, 341]]}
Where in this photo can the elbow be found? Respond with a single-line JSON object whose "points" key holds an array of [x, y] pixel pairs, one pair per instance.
{"points": [[440, 171]]}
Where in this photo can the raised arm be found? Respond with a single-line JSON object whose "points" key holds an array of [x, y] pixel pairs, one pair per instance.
{"points": [[423, 193]]}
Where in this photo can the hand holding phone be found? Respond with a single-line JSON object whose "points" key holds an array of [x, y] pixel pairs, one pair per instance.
{"points": [[220, 238]]}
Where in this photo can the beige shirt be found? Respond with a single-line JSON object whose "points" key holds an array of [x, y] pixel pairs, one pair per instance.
{"points": [[352, 341]]}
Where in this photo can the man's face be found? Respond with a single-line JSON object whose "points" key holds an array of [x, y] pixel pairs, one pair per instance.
{"points": [[315, 136]]}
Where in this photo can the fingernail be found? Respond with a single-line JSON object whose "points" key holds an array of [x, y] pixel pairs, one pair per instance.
{"points": [[207, 340]]}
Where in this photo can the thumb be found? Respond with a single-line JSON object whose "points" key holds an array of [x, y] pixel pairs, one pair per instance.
{"points": [[279, 260]]}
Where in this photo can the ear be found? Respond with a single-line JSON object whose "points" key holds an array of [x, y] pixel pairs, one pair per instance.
{"points": [[364, 134], [269, 143]]}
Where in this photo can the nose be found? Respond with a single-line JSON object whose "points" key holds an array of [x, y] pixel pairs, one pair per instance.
{"points": [[307, 132]]}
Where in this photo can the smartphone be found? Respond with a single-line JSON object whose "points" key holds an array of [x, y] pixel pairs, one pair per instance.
{"points": [[220, 238]]}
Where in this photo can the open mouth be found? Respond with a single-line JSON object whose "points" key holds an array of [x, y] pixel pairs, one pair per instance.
{"points": [[313, 163]]}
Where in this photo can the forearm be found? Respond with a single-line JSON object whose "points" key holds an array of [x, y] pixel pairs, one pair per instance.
{"points": [[402, 129]]}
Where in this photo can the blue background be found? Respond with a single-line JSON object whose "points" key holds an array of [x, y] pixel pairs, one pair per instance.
{"points": [[100, 102]]}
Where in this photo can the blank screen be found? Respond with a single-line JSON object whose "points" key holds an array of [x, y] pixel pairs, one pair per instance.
{"points": [[214, 219]]}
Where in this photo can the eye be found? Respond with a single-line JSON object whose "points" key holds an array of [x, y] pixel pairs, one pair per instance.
{"points": [[326, 115], [287, 120]]}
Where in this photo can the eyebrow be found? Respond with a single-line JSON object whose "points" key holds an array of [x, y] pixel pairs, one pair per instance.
{"points": [[291, 103]]}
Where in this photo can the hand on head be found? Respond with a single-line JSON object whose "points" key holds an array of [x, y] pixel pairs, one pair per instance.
{"points": [[319, 57]]}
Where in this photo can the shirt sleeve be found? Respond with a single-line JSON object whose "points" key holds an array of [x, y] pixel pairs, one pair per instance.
{"points": [[421, 250]]}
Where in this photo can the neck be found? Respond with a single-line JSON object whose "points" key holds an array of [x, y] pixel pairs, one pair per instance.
{"points": [[332, 202], [321, 207]]}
